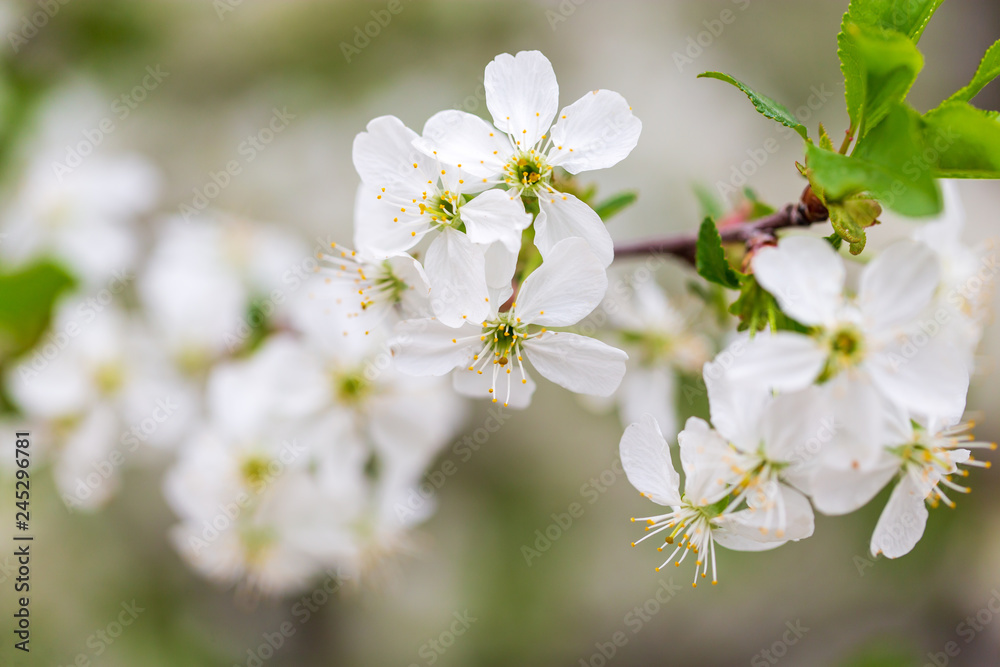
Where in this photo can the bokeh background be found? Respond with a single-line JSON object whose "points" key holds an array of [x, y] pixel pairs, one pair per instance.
{"points": [[230, 63]]}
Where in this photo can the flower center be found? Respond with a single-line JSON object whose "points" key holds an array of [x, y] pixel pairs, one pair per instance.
{"points": [[846, 350], [255, 470], [528, 172], [352, 388], [387, 284], [443, 209], [502, 339], [257, 541], [109, 378]]}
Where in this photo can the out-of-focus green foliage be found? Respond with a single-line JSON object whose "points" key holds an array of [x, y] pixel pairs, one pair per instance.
{"points": [[26, 299]]}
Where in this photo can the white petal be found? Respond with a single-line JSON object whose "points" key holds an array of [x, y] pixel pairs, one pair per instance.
{"points": [[861, 419], [739, 532], [563, 216], [650, 391], [496, 215], [790, 517], [898, 284], [795, 423], [456, 268], [567, 287], [478, 385], [837, 491], [425, 347], [379, 232], [805, 275], [522, 94], [944, 233], [595, 132], [459, 138], [703, 457], [736, 409], [578, 363], [415, 301], [500, 267], [776, 512], [646, 459], [783, 361], [384, 156], [903, 520], [931, 381], [414, 419], [89, 445]]}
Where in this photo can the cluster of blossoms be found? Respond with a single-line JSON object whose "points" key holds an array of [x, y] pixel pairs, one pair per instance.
{"points": [[291, 443], [297, 395], [866, 390], [490, 202]]}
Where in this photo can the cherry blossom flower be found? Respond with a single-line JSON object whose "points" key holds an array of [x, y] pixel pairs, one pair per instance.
{"points": [[488, 357], [863, 351], [701, 516], [407, 195], [520, 150]]}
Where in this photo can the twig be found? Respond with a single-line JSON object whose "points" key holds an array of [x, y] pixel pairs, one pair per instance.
{"points": [[754, 233]]}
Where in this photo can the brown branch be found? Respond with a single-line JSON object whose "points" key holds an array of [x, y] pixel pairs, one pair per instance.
{"points": [[754, 233]]}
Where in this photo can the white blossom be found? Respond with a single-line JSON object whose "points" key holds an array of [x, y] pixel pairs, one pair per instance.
{"points": [[863, 351], [696, 521], [568, 285], [520, 150]]}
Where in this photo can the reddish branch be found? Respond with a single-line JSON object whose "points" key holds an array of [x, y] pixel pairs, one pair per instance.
{"points": [[753, 233]]}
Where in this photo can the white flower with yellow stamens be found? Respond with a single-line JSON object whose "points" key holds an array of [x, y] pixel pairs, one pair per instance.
{"points": [[924, 459], [407, 195], [865, 352], [771, 442], [927, 461], [520, 151], [362, 284], [701, 517], [488, 358]]}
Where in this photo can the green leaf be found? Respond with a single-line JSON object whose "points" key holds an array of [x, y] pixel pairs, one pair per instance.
{"points": [[758, 310], [964, 140], [758, 208], [824, 139], [989, 69], [615, 204], [888, 165], [710, 257], [909, 17], [879, 68], [26, 300], [765, 105], [710, 204], [898, 145]]}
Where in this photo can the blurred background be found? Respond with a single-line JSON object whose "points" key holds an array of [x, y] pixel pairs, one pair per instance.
{"points": [[483, 588]]}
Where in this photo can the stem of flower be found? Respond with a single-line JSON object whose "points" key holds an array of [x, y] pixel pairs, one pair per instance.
{"points": [[754, 233]]}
